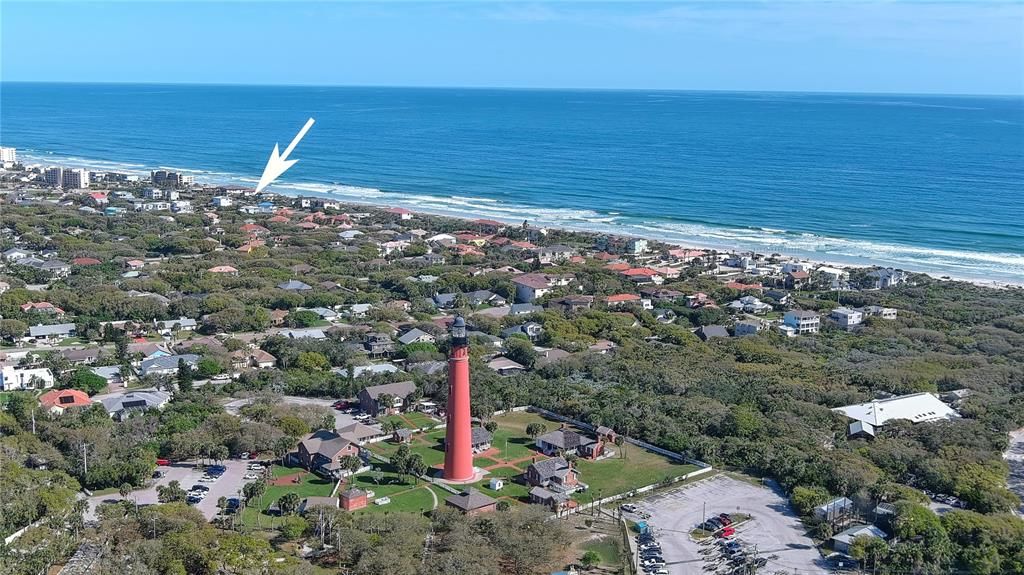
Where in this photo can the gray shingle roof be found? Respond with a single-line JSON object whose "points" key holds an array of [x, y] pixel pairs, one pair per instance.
{"points": [[470, 500]]}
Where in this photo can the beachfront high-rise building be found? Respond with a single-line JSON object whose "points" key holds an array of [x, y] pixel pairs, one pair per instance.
{"points": [[75, 178], [54, 176], [165, 178], [8, 156], [458, 451]]}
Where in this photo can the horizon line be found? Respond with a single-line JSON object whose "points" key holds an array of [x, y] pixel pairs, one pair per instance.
{"points": [[515, 88]]}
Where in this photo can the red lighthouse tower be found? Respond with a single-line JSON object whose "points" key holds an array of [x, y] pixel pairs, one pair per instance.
{"points": [[458, 454]]}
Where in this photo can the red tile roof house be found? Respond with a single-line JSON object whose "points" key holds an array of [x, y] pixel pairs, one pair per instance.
{"points": [[134, 264], [42, 307], [622, 299], [643, 275], [279, 220], [223, 270], [59, 400], [744, 287], [253, 229], [402, 213]]}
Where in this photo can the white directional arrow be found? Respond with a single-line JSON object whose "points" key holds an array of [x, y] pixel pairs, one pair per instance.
{"points": [[279, 163]]}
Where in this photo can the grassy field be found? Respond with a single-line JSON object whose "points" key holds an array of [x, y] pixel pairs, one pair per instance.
{"points": [[428, 445], [309, 485], [412, 500]]}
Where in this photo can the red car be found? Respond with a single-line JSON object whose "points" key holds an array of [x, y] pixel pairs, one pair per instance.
{"points": [[163, 461], [726, 532]]}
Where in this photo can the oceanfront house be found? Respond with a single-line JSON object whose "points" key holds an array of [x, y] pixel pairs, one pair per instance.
{"points": [[167, 365], [885, 278], [415, 335], [916, 408], [555, 475], [120, 406], [167, 327], [643, 276], [802, 322], [748, 327], [16, 378], [749, 304], [556, 254], [472, 502], [58, 401], [51, 333], [780, 297], [707, 332], [369, 397], [562, 441], [322, 451], [796, 279], [842, 541], [847, 318], [879, 311]]}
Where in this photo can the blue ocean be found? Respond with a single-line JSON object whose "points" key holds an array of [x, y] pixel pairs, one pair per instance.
{"points": [[927, 183]]}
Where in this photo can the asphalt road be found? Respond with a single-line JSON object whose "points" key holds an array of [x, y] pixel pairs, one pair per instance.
{"points": [[774, 529]]}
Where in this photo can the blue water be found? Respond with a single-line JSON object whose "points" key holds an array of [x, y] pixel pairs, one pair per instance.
{"points": [[929, 183]]}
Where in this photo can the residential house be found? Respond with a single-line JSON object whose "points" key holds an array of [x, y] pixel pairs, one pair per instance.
{"points": [[307, 333], [562, 441], [505, 366], [402, 213], [796, 279], [706, 332], [524, 309], [51, 333], [555, 475], [415, 335], [369, 396], [86, 356], [780, 297], [749, 304], [663, 315], [480, 297], [294, 285], [643, 276], [166, 365], [529, 287], [110, 373], [472, 502], [802, 322], [14, 378], [42, 307], [121, 405], [748, 327], [225, 270], [378, 344], [879, 311], [369, 370], [530, 329], [623, 300], [555, 254], [322, 451], [847, 318], [888, 277], [572, 303], [252, 358], [171, 325], [58, 401]]}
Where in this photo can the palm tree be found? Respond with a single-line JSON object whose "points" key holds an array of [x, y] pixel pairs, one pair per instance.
{"points": [[289, 503]]}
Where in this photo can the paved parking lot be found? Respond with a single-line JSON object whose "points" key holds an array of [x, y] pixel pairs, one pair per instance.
{"points": [[229, 485], [774, 529]]}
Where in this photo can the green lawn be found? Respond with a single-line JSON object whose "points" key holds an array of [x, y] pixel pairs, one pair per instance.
{"points": [[390, 482], [420, 420], [637, 469], [310, 485], [511, 490], [427, 445], [415, 500]]}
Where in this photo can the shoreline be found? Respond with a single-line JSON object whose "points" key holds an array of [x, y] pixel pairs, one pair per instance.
{"points": [[436, 206]]}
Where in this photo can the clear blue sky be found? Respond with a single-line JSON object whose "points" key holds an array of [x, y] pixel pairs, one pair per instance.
{"points": [[860, 46]]}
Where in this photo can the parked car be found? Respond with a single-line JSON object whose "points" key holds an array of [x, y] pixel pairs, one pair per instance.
{"points": [[628, 507], [163, 461], [200, 487]]}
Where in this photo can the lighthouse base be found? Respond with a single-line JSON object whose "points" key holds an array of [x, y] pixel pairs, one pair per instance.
{"points": [[478, 474]]}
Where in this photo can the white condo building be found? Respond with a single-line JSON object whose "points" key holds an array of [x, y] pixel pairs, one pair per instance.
{"points": [[75, 178], [8, 156], [54, 176]]}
